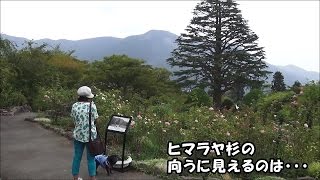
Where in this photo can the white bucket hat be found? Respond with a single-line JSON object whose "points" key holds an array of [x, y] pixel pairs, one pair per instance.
{"points": [[85, 91]]}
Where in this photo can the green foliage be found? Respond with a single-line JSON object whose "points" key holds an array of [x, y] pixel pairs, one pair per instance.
{"points": [[57, 100], [270, 105], [314, 169], [198, 97], [282, 125], [278, 82], [9, 95], [253, 97], [25, 72], [129, 75], [227, 103], [160, 121], [65, 122], [310, 100], [218, 51], [7, 49], [68, 70], [296, 87]]}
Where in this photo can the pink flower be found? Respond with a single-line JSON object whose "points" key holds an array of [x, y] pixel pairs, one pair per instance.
{"points": [[167, 123], [132, 123]]}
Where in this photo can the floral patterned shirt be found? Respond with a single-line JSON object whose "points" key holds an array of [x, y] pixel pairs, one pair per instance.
{"points": [[80, 115]]}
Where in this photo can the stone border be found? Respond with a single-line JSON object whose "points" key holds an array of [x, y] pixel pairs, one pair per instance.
{"points": [[15, 110], [60, 131]]}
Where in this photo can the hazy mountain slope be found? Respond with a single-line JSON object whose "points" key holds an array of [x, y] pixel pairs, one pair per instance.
{"points": [[153, 46], [292, 73]]}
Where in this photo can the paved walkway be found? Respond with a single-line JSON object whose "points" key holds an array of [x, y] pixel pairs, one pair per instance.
{"points": [[29, 151]]}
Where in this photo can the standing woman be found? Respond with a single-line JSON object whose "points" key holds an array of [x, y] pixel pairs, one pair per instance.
{"points": [[80, 115]]}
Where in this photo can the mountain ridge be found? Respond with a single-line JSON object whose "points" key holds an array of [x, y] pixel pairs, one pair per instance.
{"points": [[154, 47]]}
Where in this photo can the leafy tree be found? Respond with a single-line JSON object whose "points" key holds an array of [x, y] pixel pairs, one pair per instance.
{"points": [[7, 73], [218, 50], [9, 95], [36, 66], [278, 82], [129, 75], [296, 87], [32, 69], [68, 70], [7, 49]]}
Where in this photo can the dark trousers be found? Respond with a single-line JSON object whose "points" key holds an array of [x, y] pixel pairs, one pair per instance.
{"points": [[97, 164]]}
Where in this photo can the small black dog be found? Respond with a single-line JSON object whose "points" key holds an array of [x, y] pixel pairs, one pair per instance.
{"points": [[106, 162]]}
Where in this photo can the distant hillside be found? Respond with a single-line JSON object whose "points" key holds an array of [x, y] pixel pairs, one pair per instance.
{"points": [[153, 46], [292, 73]]}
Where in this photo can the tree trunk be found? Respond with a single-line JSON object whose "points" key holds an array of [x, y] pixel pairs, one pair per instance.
{"points": [[309, 119], [217, 100]]}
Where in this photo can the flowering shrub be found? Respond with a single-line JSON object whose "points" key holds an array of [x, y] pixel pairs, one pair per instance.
{"points": [[272, 104], [57, 100], [282, 133]]}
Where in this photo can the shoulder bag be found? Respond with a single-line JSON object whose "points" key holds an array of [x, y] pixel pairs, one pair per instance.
{"points": [[95, 146]]}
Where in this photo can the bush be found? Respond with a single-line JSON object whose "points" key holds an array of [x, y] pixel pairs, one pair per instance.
{"points": [[64, 122], [270, 105], [15, 98], [309, 102], [314, 169], [161, 121], [11, 98], [58, 100], [227, 103], [252, 97], [198, 97]]}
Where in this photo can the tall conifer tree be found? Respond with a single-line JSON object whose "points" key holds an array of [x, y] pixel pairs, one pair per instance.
{"points": [[278, 82], [218, 50]]}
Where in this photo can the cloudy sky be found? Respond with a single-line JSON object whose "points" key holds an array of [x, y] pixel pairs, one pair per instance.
{"points": [[289, 30]]}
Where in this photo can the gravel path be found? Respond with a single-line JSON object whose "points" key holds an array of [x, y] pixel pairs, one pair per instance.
{"points": [[29, 151]]}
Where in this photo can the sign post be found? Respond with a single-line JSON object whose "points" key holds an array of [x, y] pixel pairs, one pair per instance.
{"points": [[118, 124]]}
